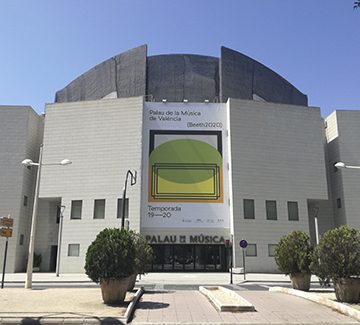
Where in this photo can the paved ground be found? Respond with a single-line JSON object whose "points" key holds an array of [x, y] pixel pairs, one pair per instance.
{"points": [[187, 306], [170, 298]]}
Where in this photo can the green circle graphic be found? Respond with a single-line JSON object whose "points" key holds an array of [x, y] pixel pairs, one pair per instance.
{"points": [[186, 161]]}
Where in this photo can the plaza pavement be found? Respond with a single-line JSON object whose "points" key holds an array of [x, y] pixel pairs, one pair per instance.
{"points": [[169, 298]]}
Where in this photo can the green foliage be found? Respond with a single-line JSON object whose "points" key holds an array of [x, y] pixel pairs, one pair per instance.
{"points": [[293, 253], [338, 254], [144, 254], [111, 255]]}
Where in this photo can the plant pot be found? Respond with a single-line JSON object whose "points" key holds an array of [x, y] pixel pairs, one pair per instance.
{"points": [[114, 291], [300, 281], [132, 281], [347, 290]]}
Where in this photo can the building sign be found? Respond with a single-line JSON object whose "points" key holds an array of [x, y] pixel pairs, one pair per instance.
{"points": [[6, 224], [185, 160], [184, 239]]}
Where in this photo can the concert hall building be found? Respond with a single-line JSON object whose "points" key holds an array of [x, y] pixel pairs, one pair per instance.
{"points": [[223, 149]]}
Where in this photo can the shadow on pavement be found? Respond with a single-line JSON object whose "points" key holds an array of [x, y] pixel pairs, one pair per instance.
{"points": [[151, 305]]}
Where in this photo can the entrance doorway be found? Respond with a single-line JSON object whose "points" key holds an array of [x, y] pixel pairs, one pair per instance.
{"points": [[53, 257], [189, 258]]}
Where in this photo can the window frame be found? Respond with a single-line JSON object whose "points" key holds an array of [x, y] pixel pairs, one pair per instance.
{"points": [[289, 203], [248, 201], [102, 215], [72, 216], [246, 250], [78, 250], [267, 203]]}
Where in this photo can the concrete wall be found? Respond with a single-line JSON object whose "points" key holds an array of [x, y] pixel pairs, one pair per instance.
{"points": [[103, 140], [277, 154], [20, 136], [343, 145]]}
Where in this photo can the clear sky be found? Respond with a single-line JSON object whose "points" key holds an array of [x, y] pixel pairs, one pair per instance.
{"points": [[314, 44]]}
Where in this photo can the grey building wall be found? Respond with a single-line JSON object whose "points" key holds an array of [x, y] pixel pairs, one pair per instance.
{"points": [[104, 140], [179, 77], [124, 74], [20, 137], [343, 145], [277, 154], [176, 77], [242, 77]]}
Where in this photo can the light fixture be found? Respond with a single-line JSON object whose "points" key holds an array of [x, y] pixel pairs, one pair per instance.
{"points": [[206, 101], [185, 100], [342, 165], [164, 100]]}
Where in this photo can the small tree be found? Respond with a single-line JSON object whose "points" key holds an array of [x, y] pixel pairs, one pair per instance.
{"points": [[144, 254], [338, 254], [111, 255], [337, 257], [293, 253]]}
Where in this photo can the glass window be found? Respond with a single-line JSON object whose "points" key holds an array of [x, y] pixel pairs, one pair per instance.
{"points": [[76, 207], [99, 209], [74, 250], [271, 249], [251, 250], [293, 211], [119, 207], [21, 240], [271, 213], [249, 210], [25, 200], [338, 203]]}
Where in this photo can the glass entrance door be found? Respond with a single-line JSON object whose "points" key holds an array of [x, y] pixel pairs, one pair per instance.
{"points": [[180, 258]]}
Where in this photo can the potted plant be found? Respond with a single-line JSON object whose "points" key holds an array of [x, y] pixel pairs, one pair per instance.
{"points": [[293, 256], [110, 260], [37, 262], [143, 258], [337, 257]]}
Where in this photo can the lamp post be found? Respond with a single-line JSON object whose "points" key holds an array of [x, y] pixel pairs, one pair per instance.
{"points": [[29, 162], [132, 182], [341, 165]]}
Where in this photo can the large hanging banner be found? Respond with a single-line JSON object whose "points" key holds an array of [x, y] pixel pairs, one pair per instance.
{"points": [[185, 166]]}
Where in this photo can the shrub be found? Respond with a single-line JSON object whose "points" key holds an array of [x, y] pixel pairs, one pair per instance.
{"points": [[111, 255], [293, 253], [338, 254], [144, 254]]}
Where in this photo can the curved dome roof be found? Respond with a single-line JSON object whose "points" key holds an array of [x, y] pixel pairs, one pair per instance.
{"points": [[181, 76]]}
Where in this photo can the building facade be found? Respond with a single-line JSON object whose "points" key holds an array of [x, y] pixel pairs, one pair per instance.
{"points": [[224, 148]]}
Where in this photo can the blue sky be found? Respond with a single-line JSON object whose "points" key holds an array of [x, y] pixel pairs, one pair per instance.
{"points": [[314, 44]]}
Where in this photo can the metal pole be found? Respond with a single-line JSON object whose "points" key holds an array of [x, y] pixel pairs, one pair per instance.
{"points": [[5, 254], [123, 206], [244, 263], [316, 226], [231, 264], [133, 182], [62, 208], [29, 270]]}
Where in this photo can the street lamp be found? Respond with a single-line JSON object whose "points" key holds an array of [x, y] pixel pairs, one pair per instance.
{"points": [[29, 162], [341, 165], [133, 182]]}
